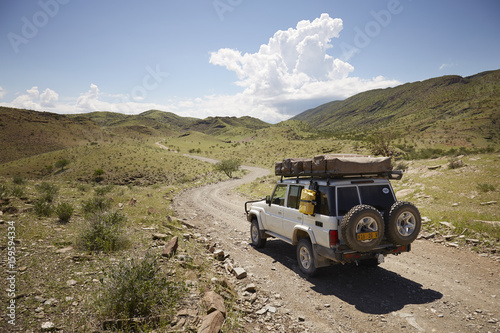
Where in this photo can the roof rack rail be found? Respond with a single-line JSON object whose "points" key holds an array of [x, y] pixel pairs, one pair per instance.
{"points": [[392, 175]]}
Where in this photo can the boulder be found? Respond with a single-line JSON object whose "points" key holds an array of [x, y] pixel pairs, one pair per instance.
{"points": [[212, 323], [214, 302], [171, 247]]}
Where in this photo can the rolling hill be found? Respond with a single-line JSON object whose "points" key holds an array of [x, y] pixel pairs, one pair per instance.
{"points": [[25, 133], [448, 110]]}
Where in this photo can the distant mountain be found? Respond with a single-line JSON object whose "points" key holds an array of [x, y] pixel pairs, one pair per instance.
{"points": [[226, 125], [452, 108], [25, 133]]}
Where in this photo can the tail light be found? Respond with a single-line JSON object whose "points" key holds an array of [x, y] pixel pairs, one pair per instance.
{"points": [[334, 238]]}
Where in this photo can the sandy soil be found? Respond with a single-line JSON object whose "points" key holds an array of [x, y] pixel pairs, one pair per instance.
{"points": [[433, 288]]}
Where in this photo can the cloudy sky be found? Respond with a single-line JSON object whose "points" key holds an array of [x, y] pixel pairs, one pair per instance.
{"points": [[268, 59]]}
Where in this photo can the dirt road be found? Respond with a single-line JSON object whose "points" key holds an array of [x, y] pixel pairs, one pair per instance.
{"points": [[433, 288]]}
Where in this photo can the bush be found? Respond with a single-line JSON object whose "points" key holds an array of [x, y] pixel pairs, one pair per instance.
{"points": [[96, 205], [43, 208], [137, 288], [18, 180], [18, 191], [102, 190], [228, 167], [48, 191], [61, 163], [486, 188], [98, 175], [103, 232], [401, 166], [64, 211]]}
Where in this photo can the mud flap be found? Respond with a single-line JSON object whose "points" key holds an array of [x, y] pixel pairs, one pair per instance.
{"points": [[320, 261]]}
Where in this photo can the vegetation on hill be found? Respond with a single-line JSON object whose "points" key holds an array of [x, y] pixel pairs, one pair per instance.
{"points": [[439, 112], [25, 133]]}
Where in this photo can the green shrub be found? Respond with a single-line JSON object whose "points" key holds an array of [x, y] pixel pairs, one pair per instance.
{"points": [[18, 191], [486, 187], [401, 166], [103, 190], [137, 288], [48, 191], [18, 180], [64, 211], [103, 232], [96, 205], [98, 175], [43, 208], [61, 163], [227, 166]]}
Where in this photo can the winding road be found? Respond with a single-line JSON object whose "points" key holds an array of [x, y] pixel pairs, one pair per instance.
{"points": [[433, 288]]}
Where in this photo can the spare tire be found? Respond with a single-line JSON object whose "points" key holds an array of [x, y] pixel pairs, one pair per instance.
{"points": [[362, 228], [403, 223]]}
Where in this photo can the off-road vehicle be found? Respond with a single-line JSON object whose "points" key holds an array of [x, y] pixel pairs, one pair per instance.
{"points": [[335, 209]]}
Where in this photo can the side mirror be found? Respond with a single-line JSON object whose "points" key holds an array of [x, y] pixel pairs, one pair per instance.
{"points": [[268, 200]]}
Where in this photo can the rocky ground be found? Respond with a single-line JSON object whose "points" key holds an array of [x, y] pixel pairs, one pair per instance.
{"points": [[436, 287]]}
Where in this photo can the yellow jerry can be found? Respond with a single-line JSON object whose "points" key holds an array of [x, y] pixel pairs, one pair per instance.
{"points": [[306, 201]]}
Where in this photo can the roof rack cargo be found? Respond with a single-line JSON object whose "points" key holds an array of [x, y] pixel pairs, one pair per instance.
{"points": [[337, 166]]}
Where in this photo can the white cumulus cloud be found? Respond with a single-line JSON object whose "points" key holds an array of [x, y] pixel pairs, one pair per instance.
{"points": [[34, 100], [293, 71], [2, 92]]}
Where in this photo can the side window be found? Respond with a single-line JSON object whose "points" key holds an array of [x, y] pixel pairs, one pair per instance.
{"points": [[294, 196], [347, 197], [326, 201], [279, 195]]}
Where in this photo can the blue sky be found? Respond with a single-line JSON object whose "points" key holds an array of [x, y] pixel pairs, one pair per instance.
{"points": [[199, 58]]}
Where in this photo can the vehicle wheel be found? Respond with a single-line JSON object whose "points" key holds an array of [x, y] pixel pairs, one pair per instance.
{"points": [[365, 220], [305, 257], [257, 240], [403, 224]]}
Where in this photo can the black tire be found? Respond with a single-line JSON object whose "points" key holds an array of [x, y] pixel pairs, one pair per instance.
{"points": [[305, 257], [403, 223], [257, 239], [361, 219]]}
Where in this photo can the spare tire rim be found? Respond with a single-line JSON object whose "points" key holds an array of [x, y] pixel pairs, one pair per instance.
{"points": [[305, 257], [405, 224], [366, 224]]}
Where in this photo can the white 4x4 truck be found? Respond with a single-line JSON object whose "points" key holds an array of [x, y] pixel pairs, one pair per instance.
{"points": [[335, 209]]}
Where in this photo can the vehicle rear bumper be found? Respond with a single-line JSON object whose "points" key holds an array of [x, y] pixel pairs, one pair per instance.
{"points": [[347, 256]]}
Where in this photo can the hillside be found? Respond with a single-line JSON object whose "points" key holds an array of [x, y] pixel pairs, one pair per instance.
{"points": [[25, 133], [448, 110], [226, 125]]}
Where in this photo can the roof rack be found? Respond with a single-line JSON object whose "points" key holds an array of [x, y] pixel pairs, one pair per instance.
{"points": [[391, 175]]}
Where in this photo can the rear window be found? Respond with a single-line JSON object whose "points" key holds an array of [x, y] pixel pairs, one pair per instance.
{"points": [[378, 196], [347, 197]]}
